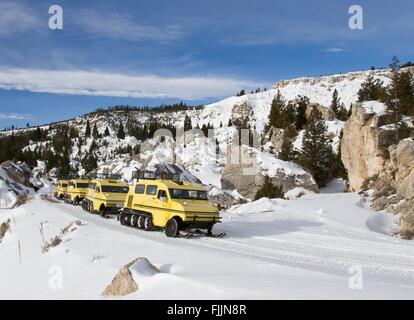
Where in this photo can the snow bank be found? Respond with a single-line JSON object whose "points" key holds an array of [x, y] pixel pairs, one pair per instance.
{"points": [[374, 107], [297, 193]]}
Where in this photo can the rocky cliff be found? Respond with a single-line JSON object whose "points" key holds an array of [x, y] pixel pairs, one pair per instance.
{"points": [[364, 136], [394, 187]]}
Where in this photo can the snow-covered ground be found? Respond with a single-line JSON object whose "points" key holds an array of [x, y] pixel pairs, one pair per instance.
{"points": [[274, 249]]}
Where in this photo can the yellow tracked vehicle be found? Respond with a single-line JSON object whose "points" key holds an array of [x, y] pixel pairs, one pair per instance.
{"points": [[162, 201], [61, 188], [105, 196], [76, 191]]}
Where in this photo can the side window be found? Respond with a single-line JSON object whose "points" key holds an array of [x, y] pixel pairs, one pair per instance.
{"points": [[97, 188], [139, 189], [152, 190], [162, 194]]}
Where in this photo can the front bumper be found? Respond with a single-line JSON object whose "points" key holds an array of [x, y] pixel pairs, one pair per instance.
{"points": [[201, 221]]}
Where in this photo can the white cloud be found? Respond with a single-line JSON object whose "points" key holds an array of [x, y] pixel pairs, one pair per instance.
{"points": [[121, 26], [334, 50], [97, 83], [17, 18], [16, 116]]}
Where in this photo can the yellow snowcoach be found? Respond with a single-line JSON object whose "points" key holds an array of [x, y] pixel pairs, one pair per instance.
{"points": [[105, 196], [61, 187], [76, 191], [163, 201]]}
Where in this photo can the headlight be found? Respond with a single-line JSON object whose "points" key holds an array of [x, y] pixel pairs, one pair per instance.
{"points": [[185, 203]]}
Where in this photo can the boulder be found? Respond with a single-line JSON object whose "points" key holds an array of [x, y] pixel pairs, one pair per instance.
{"points": [[19, 173], [363, 144], [4, 227], [327, 113], [246, 169], [403, 157], [275, 136], [224, 198], [406, 212], [124, 281]]}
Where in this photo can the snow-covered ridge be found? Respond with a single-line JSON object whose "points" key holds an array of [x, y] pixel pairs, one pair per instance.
{"points": [[318, 89]]}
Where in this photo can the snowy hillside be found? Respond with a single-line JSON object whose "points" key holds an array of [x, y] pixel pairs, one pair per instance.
{"points": [[200, 156], [317, 89]]}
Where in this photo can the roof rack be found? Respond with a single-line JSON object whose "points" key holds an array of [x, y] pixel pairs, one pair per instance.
{"points": [[154, 175], [104, 176], [72, 177]]}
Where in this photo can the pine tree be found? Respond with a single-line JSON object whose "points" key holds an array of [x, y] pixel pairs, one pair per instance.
{"points": [[316, 154], [187, 123], [95, 132], [64, 164], [372, 89], [335, 104], [301, 108], [106, 133], [121, 133], [278, 104], [286, 152], [402, 91], [38, 134], [343, 114], [338, 169], [268, 190], [88, 129]]}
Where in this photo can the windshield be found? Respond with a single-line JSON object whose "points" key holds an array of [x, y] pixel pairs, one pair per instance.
{"points": [[115, 189], [188, 194], [82, 185]]}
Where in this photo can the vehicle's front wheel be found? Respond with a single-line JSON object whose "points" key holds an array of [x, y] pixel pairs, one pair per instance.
{"points": [[172, 228], [123, 218]]}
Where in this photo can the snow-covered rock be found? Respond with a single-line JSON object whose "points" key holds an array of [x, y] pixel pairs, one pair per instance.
{"points": [[16, 183], [296, 193], [124, 281], [247, 168]]}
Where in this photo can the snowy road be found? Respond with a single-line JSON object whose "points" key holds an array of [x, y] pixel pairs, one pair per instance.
{"points": [[273, 249], [334, 250]]}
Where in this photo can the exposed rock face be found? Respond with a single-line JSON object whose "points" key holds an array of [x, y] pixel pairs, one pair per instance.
{"points": [[246, 169], [394, 187], [18, 173], [240, 114], [362, 144], [123, 283], [276, 137], [327, 113]]}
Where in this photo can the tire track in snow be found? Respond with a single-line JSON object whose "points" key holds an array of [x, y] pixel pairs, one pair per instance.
{"points": [[333, 255]]}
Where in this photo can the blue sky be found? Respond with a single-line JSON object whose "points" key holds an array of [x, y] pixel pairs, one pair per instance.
{"points": [[150, 52]]}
